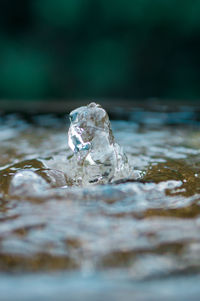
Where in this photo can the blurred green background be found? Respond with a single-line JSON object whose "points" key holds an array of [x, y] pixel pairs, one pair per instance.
{"points": [[77, 49]]}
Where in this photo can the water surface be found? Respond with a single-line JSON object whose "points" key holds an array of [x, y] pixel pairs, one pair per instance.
{"points": [[132, 237]]}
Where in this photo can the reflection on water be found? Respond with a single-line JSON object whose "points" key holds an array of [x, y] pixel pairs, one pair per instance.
{"points": [[139, 231]]}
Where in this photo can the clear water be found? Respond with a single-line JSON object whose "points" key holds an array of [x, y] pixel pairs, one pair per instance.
{"points": [[109, 241], [97, 158]]}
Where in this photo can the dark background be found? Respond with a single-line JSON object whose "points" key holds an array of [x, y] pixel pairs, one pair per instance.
{"points": [[79, 49]]}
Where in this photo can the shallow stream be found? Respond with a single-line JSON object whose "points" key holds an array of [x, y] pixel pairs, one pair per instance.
{"points": [[110, 241]]}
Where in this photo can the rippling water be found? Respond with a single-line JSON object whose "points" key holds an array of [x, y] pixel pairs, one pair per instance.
{"points": [[132, 237]]}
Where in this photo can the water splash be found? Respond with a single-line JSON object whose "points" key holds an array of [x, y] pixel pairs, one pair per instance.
{"points": [[97, 157]]}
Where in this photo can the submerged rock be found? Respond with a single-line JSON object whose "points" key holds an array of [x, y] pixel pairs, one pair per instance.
{"points": [[97, 157]]}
